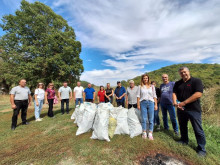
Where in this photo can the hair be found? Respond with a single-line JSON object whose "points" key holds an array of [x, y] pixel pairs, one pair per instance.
{"points": [[101, 87], [65, 82], [40, 84], [153, 82], [142, 78], [21, 80], [182, 68], [50, 85]]}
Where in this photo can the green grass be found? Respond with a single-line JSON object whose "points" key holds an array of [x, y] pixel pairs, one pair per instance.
{"points": [[53, 141]]}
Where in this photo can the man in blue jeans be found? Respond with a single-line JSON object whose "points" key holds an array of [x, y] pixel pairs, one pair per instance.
{"points": [[120, 93], [78, 94], [166, 102], [188, 91]]}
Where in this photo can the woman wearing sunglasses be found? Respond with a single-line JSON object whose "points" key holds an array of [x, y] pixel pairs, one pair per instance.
{"points": [[49, 98], [38, 100]]}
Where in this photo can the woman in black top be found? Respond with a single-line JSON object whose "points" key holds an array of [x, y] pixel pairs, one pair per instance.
{"points": [[108, 94]]}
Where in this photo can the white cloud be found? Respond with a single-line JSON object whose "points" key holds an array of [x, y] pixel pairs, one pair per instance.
{"points": [[136, 33]]}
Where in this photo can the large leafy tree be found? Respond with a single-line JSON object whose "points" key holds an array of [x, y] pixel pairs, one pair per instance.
{"points": [[39, 45]]}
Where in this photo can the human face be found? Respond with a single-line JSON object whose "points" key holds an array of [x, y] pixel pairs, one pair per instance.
{"points": [[78, 84], [165, 78], [145, 79], [131, 85], [22, 83], [108, 85], [102, 88], [184, 74], [119, 84], [40, 85], [51, 86], [65, 84], [89, 85], [154, 84]]}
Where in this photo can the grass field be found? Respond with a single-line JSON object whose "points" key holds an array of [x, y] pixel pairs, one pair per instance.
{"points": [[53, 141]]}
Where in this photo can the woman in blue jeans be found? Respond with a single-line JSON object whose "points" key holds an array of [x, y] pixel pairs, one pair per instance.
{"points": [[147, 103], [38, 100]]}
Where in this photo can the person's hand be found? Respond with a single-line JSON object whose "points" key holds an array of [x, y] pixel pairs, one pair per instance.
{"points": [[70, 98], [60, 99], [108, 98], [117, 98], [37, 104], [29, 104], [155, 107], [127, 103], [13, 106], [138, 107], [46, 102], [94, 99]]}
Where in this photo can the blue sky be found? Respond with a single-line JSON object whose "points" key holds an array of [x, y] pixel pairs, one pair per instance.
{"points": [[122, 39]]}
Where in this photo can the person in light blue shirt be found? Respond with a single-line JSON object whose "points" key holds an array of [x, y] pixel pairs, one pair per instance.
{"points": [[120, 93], [65, 94], [89, 94]]}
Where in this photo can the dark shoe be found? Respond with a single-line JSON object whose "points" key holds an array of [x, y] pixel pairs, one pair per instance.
{"points": [[67, 112], [177, 133], [182, 142], [26, 123], [201, 153], [13, 128]]}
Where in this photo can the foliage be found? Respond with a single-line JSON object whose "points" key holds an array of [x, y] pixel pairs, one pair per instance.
{"points": [[39, 45]]}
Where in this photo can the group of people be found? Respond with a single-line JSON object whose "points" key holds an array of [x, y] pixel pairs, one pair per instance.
{"points": [[184, 95]]}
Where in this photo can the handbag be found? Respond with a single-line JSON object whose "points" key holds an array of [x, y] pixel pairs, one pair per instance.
{"points": [[55, 101]]}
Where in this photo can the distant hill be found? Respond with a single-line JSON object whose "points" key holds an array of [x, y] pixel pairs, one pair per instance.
{"points": [[208, 73]]}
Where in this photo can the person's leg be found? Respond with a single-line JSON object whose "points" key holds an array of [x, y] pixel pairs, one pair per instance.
{"points": [[62, 106], [67, 106], [129, 106], [135, 105], [172, 113], [158, 118], [50, 111], [24, 111], [123, 104], [183, 122], [40, 106], [196, 121], [164, 113], [16, 113], [151, 115], [143, 105], [77, 102], [36, 110], [81, 100], [118, 104]]}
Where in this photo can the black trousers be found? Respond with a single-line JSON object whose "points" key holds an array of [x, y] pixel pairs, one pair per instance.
{"points": [[62, 105], [196, 121], [21, 105], [50, 109], [89, 100], [121, 103], [132, 105]]}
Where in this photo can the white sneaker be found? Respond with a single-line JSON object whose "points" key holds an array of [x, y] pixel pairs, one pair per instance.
{"points": [[150, 136], [144, 135], [38, 119]]}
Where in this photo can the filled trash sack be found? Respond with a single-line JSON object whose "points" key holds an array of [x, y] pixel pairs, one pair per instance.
{"points": [[122, 121]]}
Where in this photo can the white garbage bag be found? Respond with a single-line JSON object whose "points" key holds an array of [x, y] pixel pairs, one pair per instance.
{"points": [[85, 124], [134, 124], [101, 122], [79, 114], [74, 115], [122, 121]]}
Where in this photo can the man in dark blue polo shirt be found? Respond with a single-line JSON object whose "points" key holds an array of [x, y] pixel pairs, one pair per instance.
{"points": [[120, 93], [89, 94], [188, 91]]}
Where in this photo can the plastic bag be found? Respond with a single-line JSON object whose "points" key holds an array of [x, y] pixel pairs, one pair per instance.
{"points": [[112, 126], [134, 124], [122, 121]]}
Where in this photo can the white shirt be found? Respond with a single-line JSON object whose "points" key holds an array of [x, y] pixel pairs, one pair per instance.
{"points": [[145, 93], [78, 91], [40, 93], [65, 92], [132, 95]]}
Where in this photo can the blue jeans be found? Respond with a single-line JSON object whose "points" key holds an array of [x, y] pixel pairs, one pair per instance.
{"points": [[171, 109], [147, 115], [38, 108], [62, 105], [156, 115], [78, 100], [196, 121]]}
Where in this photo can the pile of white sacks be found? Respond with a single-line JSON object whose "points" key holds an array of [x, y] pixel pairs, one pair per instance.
{"points": [[106, 120]]}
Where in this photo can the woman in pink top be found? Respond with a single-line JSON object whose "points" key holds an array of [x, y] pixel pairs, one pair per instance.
{"points": [[49, 98]]}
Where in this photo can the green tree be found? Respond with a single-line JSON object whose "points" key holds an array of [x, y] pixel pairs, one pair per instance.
{"points": [[39, 45]]}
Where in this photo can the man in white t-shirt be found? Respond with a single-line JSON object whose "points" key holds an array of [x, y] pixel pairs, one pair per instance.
{"points": [[78, 93]]}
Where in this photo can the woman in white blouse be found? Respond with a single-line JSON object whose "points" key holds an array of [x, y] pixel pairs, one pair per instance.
{"points": [[147, 103], [38, 100]]}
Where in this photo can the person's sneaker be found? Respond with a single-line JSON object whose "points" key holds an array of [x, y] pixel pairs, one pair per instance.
{"points": [[158, 127], [182, 142], [26, 123], [13, 128], [38, 119], [150, 136], [201, 153], [67, 112], [144, 135], [177, 133]]}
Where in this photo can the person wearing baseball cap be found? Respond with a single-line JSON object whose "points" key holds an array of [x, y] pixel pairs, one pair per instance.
{"points": [[120, 93]]}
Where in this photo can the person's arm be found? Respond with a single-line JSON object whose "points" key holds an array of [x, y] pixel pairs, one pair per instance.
{"points": [[74, 96], [36, 100], [126, 98], [13, 106], [138, 103], [93, 96], [71, 94], [45, 97], [155, 104], [29, 99], [98, 98], [123, 94], [174, 99], [59, 96], [84, 96], [191, 99]]}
